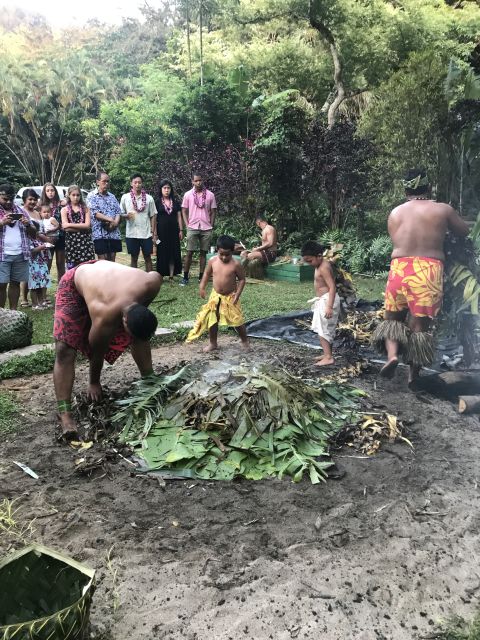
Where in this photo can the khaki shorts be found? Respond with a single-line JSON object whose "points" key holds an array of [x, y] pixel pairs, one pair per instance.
{"points": [[198, 240]]}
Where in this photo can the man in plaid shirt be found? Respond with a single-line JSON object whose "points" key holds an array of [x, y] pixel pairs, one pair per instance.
{"points": [[16, 229]]}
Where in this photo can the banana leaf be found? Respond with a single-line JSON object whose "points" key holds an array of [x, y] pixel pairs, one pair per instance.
{"points": [[225, 422]]}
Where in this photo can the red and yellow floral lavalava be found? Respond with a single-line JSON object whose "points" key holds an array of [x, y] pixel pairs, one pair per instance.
{"points": [[415, 283]]}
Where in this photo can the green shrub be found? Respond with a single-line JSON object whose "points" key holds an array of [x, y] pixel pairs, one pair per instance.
{"points": [[39, 362], [370, 256], [379, 253]]}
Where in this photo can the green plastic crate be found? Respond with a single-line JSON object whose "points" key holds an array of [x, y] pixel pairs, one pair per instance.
{"points": [[286, 271]]}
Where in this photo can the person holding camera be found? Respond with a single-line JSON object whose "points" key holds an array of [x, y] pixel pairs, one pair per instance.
{"points": [[16, 230]]}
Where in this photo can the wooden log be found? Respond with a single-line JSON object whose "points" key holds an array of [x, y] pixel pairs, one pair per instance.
{"points": [[469, 404], [449, 385]]}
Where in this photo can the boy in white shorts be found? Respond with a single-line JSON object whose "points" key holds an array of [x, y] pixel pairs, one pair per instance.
{"points": [[326, 306]]}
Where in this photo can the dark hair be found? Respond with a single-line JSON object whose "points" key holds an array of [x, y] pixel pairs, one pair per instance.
{"points": [[99, 174], [261, 217], [8, 189], [43, 197], [163, 183], [417, 176], [141, 322], [227, 243], [136, 175], [312, 248], [196, 174], [29, 193]]}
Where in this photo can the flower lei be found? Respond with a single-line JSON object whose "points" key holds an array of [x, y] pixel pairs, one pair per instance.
{"points": [[70, 213], [200, 203], [133, 196], [168, 207]]}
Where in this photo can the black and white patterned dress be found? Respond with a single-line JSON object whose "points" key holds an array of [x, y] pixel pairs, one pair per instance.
{"points": [[78, 244]]}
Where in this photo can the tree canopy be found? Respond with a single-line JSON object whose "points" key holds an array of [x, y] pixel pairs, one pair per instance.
{"points": [[307, 109]]}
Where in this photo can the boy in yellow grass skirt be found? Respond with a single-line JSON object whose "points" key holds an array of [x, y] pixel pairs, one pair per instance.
{"points": [[223, 306]]}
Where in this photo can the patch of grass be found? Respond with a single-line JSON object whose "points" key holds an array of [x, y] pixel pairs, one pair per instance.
{"points": [[42, 325], [35, 363], [370, 288], [9, 415], [459, 629], [10, 524]]}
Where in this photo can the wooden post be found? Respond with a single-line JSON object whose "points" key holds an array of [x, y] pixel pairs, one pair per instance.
{"points": [[469, 404]]}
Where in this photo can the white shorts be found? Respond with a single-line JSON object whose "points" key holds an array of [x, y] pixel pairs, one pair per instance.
{"points": [[325, 327]]}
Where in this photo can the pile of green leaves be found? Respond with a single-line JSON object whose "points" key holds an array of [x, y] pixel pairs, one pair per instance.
{"points": [[38, 362], [226, 421]]}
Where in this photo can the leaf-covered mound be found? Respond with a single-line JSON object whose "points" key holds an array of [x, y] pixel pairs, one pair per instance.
{"points": [[224, 421]]}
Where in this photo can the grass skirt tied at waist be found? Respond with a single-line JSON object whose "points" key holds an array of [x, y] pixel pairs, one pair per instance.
{"points": [[72, 323], [218, 310]]}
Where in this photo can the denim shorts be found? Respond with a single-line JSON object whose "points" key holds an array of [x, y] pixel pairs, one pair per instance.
{"points": [[135, 244], [105, 246], [14, 269]]}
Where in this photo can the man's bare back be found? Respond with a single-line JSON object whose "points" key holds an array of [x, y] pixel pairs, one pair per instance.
{"points": [[107, 287], [225, 275], [269, 237], [418, 228]]}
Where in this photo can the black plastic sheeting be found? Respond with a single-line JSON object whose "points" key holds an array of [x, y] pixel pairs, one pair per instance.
{"points": [[285, 327]]}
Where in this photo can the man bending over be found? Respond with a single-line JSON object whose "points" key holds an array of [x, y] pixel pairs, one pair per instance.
{"points": [[100, 310]]}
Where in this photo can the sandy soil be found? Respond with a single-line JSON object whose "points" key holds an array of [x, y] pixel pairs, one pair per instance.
{"points": [[384, 553]]}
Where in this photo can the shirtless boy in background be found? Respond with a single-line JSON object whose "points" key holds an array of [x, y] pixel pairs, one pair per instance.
{"points": [[223, 306], [326, 306]]}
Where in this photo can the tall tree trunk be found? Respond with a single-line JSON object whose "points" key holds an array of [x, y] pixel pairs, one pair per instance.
{"points": [[200, 22], [327, 37], [462, 172], [187, 17]]}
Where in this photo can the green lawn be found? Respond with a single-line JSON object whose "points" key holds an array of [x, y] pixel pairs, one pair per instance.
{"points": [[176, 303]]}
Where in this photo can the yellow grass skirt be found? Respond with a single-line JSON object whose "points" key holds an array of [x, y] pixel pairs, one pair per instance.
{"points": [[219, 309]]}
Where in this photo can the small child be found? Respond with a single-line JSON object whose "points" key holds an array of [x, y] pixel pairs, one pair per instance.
{"points": [[49, 224], [223, 306], [326, 306], [38, 275]]}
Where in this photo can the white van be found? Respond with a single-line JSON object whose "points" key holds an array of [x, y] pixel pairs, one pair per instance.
{"points": [[62, 192]]}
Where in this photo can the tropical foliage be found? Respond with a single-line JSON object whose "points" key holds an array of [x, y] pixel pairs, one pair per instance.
{"points": [[308, 110]]}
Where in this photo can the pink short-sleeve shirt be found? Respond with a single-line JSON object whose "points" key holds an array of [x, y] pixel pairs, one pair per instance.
{"points": [[199, 217]]}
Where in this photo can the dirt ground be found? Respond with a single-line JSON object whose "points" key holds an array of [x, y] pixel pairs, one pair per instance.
{"points": [[384, 553]]}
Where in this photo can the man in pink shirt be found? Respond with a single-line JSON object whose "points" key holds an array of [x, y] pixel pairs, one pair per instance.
{"points": [[199, 209]]}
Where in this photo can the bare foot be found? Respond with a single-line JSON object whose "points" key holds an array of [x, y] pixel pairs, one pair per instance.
{"points": [[246, 346], [95, 392], [388, 369], [68, 427], [324, 362], [211, 347]]}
